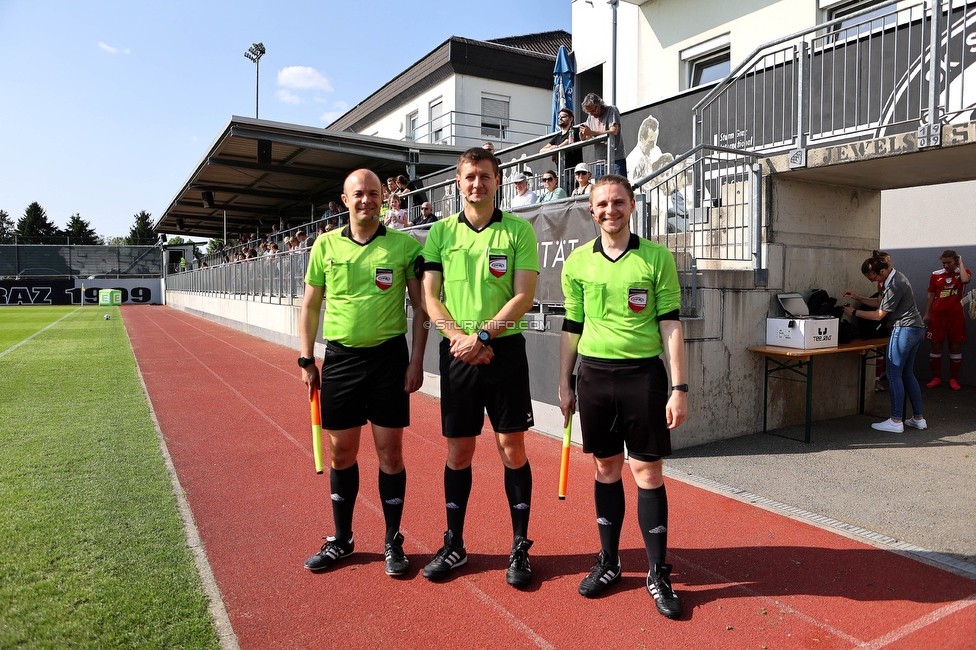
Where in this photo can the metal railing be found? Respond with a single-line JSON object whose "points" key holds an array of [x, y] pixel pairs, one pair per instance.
{"points": [[706, 207], [273, 279], [80, 261], [841, 82], [462, 129], [441, 190]]}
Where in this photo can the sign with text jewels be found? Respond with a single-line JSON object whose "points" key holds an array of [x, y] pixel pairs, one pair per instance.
{"points": [[39, 291]]}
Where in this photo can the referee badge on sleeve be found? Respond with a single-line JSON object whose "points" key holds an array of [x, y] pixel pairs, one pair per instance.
{"points": [[498, 265], [637, 299], [384, 278]]}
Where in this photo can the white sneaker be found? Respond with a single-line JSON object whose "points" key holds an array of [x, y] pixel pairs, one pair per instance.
{"points": [[916, 423], [889, 425]]}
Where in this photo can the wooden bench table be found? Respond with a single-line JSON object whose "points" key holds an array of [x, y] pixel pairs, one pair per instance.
{"points": [[792, 360]]}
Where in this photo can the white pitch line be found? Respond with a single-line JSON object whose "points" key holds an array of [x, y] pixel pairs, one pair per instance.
{"points": [[509, 617], [918, 624], [17, 345]]}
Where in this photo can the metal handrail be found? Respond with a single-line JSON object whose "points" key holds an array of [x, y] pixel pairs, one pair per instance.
{"points": [[822, 84]]}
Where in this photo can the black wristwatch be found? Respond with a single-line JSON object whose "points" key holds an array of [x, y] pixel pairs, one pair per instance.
{"points": [[682, 387], [484, 336], [305, 362]]}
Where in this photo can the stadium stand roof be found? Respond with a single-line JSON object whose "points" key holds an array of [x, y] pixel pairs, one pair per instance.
{"points": [[262, 172]]}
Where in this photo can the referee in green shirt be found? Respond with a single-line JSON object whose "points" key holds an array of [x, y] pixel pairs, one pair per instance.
{"points": [[367, 372], [622, 301], [480, 272]]}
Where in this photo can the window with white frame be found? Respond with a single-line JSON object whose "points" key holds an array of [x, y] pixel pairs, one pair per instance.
{"points": [[494, 116], [437, 121], [413, 121], [840, 9], [707, 62]]}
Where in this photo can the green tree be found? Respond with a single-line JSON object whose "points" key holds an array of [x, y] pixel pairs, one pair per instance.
{"points": [[175, 241], [80, 231], [6, 224], [214, 245], [35, 223], [141, 233]]}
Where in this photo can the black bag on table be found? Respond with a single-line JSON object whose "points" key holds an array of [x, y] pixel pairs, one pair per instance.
{"points": [[873, 329]]}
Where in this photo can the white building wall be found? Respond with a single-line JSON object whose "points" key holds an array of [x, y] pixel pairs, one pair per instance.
{"points": [[592, 46], [651, 37], [950, 206], [669, 27], [529, 108], [394, 124]]}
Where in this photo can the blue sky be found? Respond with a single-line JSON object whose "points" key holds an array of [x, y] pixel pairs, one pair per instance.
{"points": [[107, 106]]}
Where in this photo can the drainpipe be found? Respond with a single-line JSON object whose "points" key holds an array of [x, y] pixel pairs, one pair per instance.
{"points": [[613, 53]]}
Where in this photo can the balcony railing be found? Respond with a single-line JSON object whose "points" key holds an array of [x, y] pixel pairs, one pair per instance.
{"points": [[840, 82], [461, 129]]}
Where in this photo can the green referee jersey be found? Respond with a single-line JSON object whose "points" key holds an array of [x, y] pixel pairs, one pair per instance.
{"points": [[618, 302], [478, 268], [364, 284]]}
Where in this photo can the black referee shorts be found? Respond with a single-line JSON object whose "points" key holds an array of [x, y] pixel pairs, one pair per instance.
{"points": [[360, 384], [500, 387], [624, 401]]}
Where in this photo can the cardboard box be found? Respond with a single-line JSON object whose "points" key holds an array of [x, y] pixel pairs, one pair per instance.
{"points": [[802, 332]]}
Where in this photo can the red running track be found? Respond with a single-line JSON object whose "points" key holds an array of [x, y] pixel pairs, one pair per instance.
{"points": [[234, 415]]}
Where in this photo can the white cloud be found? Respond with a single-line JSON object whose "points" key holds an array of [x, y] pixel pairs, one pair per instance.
{"points": [[285, 96], [111, 50], [338, 109], [300, 77]]}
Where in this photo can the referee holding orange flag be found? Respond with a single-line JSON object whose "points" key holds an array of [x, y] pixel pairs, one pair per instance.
{"points": [[622, 300], [367, 374]]}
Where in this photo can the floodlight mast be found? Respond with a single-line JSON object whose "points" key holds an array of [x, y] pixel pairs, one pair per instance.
{"points": [[254, 53]]}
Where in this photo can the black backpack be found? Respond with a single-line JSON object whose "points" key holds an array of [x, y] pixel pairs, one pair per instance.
{"points": [[873, 329], [821, 304]]}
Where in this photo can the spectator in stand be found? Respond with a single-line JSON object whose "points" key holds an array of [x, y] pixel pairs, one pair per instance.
{"points": [[401, 185], [523, 195], [945, 317], [604, 118], [395, 217], [332, 210], [303, 240], [391, 184], [489, 146], [552, 190], [426, 215], [273, 250], [583, 182], [566, 135]]}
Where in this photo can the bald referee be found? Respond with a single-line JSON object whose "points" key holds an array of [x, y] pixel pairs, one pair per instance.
{"points": [[480, 273], [622, 300], [367, 373]]}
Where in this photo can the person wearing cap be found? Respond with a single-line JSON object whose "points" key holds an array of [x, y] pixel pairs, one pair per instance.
{"points": [[583, 182], [523, 195], [566, 135], [552, 191]]}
